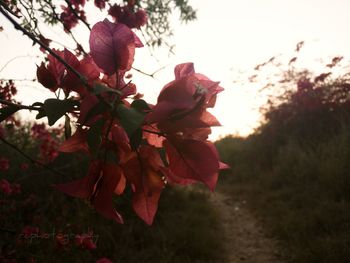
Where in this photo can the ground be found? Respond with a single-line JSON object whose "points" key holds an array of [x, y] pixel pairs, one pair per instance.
{"points": [[245, 238]]}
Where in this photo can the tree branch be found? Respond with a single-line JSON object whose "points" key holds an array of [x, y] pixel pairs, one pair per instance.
{"points": [[68, 30], [148, 74], [12, 59], [32, 37], [30, 158], [19, 106], [154, 132], [69, 3]]}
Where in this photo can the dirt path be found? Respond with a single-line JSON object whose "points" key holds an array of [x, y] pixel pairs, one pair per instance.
{"points": [[245, 238]]}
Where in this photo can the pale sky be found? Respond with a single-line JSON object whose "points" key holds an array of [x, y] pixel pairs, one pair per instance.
{"points": [[229, 36]]}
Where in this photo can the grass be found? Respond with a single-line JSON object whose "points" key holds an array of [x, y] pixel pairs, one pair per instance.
{"points": [[299, 188]]}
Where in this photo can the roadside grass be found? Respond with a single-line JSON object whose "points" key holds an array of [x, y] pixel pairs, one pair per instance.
{"points": [[300, 189]]}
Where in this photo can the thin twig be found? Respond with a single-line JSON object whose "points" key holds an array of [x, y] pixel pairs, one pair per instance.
{"points": [[9, 10], [11, 79], [30, 158], [2, 229], [149, 74], [69, 3], [19, 106], [32, 37], [154, 132], [12, 59], [67, 29]]}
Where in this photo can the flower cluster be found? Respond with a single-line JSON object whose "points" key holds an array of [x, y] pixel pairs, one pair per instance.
{"points": [[8, 188], [125, 140], [126, 15], [71, 14], [48, 144]]}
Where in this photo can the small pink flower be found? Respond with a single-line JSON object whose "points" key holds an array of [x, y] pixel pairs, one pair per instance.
{"points": [[85, 241], [104, 260], [5, 187], [24, 166], [4, 164], [28, 231], [16, 188]]}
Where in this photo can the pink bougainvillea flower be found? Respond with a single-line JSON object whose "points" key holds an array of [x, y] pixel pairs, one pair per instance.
{"points": [[77, 142], [16, 188], [4, 164], [126, 89], [51, 77], [104, 260], [190, 93], [101, 4], [62, 239], [144, 171], [28, 231], [70, 18], [85, 241], [98, 186], [113, 46], [55, 75], [24, 166], [126, 15], [88, 69], [141, 18], [78, 2], [192, 161], [5, 187]]}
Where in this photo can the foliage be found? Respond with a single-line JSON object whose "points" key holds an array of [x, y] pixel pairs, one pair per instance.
{"points": [[294, 169], [42, 225], [131, 149], [154, 14]]}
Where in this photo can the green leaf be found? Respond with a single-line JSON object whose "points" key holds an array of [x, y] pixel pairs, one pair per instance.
{"points": [[54, 109], [136, 139], [130, 119], [108, 156], [38, 104], [100, 88], [67, 127], [140, 105], [94, 136], [41, 114], [99, 108], [7, 112]]}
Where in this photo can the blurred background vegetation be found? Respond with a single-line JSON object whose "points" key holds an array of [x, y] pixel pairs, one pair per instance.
{"points": [[186, 229], [294, 169]]}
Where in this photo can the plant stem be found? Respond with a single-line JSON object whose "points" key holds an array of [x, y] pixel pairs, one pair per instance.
{"points": [[29, 158], [70, 5], [37, 41], [19, 106]]}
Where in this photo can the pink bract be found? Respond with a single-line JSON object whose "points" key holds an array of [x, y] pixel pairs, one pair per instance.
{"points": [[113, 46]]}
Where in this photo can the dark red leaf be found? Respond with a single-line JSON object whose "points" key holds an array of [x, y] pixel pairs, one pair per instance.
{"points": [[144, 173], [46, 78], [103, 202], [77, 142], [193, 160]]}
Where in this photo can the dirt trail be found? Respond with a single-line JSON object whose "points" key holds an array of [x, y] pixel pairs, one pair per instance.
{"points": [[245, 239]]}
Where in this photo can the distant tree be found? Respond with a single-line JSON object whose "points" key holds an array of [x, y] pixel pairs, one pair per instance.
{"points": [[155, 14]]}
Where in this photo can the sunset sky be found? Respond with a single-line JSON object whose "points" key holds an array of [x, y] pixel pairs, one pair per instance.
{"points": [[229, 36]]}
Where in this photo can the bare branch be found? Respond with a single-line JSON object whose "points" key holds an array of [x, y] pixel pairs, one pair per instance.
{"points": [[69, 3], [32, 37], [19, 106], [15, 58], [149, 74]]}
